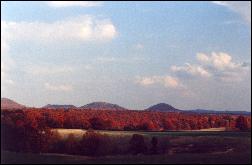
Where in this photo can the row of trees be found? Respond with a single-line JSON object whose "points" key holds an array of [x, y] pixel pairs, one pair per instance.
{"points": [[30, 130], [44, 140], [120, 120]]}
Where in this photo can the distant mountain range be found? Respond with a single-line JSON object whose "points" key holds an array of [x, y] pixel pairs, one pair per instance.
{"points": [[161, 107], [57, 106], [10, 104], [94, 105], [102, 106], [204, 111]]}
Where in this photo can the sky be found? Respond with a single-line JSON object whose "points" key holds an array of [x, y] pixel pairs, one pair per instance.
{"points": [[134, 54]]}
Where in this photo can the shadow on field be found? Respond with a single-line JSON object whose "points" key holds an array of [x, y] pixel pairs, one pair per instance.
{"points": [[183, 158]]}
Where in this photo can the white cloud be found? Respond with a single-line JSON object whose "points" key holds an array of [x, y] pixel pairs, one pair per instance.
{"points": [[106, 30], [166, 81], [81, 28], [216, 66], [60, 4], [58, 87], [220, 61], [219, 66], [202, 57], [171, 82], [145, 81], [241, 7], [194, 70]]}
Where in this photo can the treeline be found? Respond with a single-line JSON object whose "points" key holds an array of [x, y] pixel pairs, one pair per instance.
{"points": [[120, 120], [30, 130], [42, 140]]}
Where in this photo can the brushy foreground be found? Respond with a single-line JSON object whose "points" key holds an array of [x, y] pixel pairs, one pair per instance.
{"points": [[137, 148], [38, 132]]}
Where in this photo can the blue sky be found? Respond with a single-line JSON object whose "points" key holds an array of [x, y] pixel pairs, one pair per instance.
{"points": [[135, 54]]}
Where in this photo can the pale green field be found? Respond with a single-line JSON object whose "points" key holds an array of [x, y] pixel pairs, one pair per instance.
{"points": [[78, 133]]}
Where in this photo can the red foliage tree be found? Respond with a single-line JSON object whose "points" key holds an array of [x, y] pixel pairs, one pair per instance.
{"points": [[241, 123]]}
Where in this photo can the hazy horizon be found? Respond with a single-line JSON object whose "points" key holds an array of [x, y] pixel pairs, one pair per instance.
{"points": [[135, 54], [146, 107]]}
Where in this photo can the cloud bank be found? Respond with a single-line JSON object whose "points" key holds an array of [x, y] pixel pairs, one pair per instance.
{"points": [[243, 8], [214, 67], [81, 28], [78, 29], [167, 81]]}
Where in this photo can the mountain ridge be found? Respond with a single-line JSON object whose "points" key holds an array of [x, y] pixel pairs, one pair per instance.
{"points": [[7, 103], [102, 105], [208, 111], [162, 107], [56, 106]]}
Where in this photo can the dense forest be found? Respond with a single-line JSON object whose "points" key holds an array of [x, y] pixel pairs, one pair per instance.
{"points": [[120, 120], [29, 129]]}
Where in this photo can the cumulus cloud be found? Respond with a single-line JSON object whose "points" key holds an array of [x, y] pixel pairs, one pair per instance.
{"points": [[78, 29], [105, 30], [217, 66], [194, 70], [170, 81], [241, 7], [60, 4], [58, 87], [145, 81], [202, 57], [81, 28], [221, 61], [167, 81], [218, 60]]}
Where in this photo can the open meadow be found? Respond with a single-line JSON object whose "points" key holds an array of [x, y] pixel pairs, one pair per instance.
{"points": [[78, 133], [172, 147]]}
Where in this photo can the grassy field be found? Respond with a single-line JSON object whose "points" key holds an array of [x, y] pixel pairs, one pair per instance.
{"points": [[78, 133], [181, 147]]}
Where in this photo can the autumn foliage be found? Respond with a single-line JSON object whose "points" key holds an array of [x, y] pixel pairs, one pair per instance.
{"points": [[119, 120], [29, 130]]}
